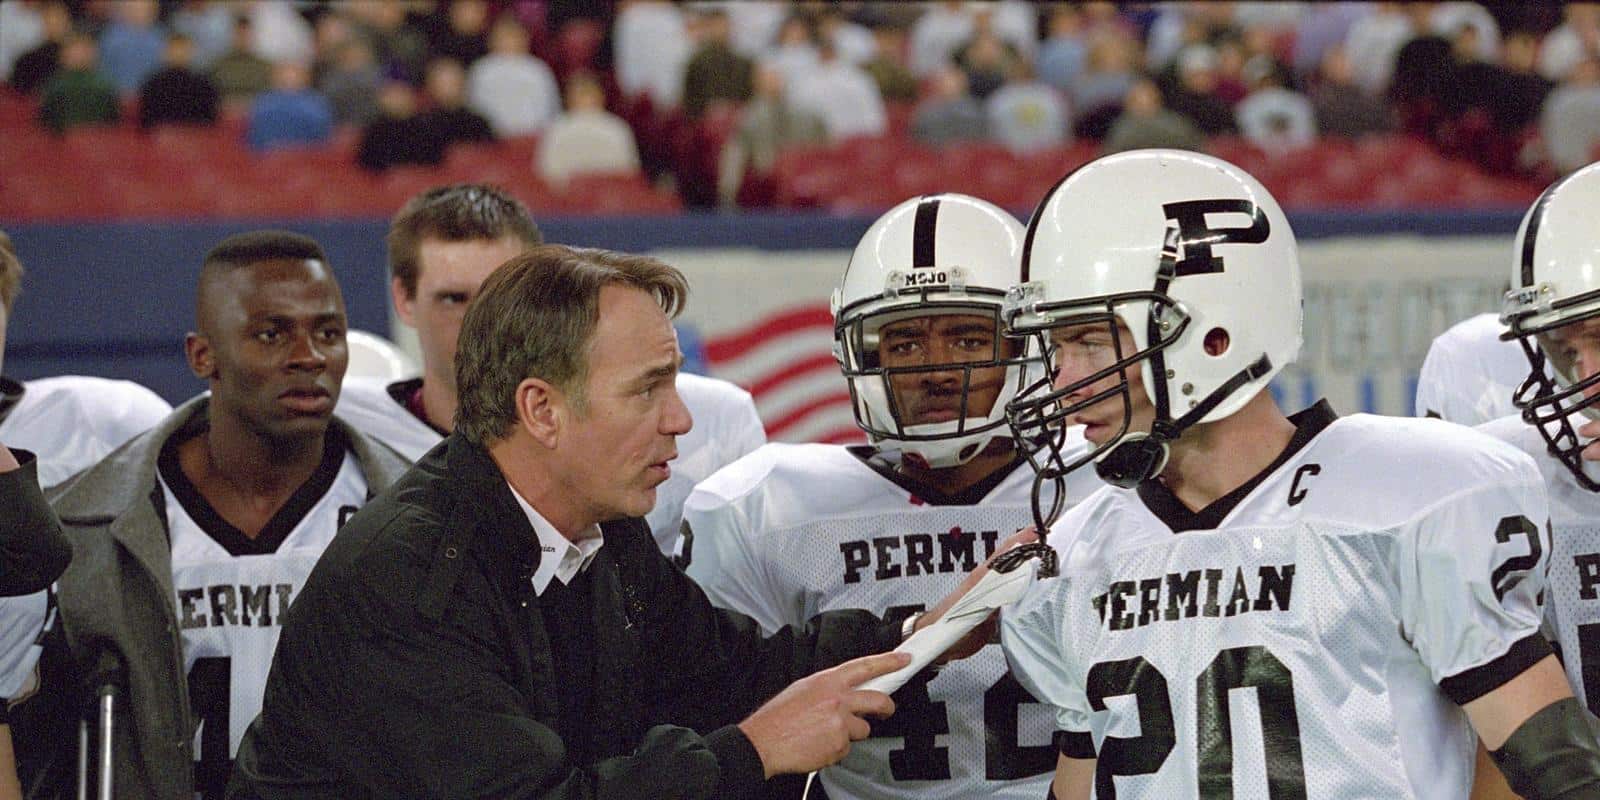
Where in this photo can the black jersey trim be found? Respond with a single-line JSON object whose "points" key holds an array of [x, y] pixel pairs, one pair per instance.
{"points": [[401, 392], [1177, 516], [927, 492], [10, 396], [282, 523], [1074, 744], [1465, 687]]}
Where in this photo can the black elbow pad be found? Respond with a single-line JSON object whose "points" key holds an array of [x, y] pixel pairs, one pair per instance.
{"points": [[1554, 755]]}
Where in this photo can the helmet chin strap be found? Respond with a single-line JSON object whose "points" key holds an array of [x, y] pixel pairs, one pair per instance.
{"points": [[948, 452], [1134, 460], [955, 457], [1138, 457]]}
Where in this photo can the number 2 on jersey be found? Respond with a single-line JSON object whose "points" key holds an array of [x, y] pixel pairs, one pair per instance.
{"points": [[1234, 668]]}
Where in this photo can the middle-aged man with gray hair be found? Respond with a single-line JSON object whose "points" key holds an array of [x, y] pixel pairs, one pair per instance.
{"points": [[500, 622]]}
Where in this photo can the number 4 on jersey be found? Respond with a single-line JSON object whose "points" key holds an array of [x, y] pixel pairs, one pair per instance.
{"points": [[920, 720]]}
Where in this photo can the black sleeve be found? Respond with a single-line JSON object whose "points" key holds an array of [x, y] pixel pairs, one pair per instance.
{"points": [[44, 726], [33, 551], [1553, 755]]}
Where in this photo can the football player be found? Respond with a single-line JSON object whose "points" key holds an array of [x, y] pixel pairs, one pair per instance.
{"points": [[793, 530], [1305, 606], [1553, 313], [69, 421], [190, 542], [1470, 373], [442, 245]]}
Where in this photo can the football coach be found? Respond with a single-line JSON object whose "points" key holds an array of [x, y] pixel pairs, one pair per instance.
{"points": [[500, 623]]}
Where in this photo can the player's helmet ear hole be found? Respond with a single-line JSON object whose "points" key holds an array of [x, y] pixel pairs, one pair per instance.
{"points": [[1216, 341]]}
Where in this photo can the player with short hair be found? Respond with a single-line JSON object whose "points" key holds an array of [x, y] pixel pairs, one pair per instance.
{"points": [[1553, 315], [442, 246], [793, 530], [190, 542], [1262, 605]]}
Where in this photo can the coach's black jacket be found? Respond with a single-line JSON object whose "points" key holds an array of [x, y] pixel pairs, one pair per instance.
{"points": [[33, 551], [416, 663]]}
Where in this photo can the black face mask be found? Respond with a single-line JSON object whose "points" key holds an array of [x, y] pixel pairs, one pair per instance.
{"points": [[1549, 406]]}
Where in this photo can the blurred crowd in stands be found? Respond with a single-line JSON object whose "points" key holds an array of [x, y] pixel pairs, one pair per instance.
{"points": [[704, 99]]}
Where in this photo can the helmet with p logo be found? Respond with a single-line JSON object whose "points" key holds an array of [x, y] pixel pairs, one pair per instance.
{"points": [[1195, 260]]}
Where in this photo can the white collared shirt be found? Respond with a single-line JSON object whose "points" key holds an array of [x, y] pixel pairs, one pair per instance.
{"points": [[559, 557]]}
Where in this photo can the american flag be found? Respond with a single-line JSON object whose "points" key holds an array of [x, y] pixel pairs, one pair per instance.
{"points": [[784, 358]]}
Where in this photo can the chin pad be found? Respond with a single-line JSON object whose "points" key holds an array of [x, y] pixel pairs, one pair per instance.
{"points": [[1134, 460]]}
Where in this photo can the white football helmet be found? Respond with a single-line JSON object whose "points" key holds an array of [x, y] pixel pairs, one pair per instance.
{"points": [[1181, 248], [944, 254], [1555, 280]]}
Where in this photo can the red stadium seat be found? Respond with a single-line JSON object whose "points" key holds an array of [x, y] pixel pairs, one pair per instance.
{"points": [[915, 172], [867, 198], [532, 191], [17, 111], [107, 147], [30, 149], [813, 189], [1385, 153], [1074, 156], [519, 150], [351, 194], [38, 195], [866, 151], [155, 197], [612, 194], [1235, 150], [899, 114]]}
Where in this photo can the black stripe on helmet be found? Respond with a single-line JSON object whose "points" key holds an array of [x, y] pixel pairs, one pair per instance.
{"points": [[922, 232], [1531, 236]]}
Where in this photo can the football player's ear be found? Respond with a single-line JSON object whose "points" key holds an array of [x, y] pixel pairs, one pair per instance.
{"points": [[404, 301], [197, 351]]}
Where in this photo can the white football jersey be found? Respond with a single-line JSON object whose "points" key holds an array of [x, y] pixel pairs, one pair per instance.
{"points": [[23, 623], [1572, 605], [1378, 575], [73, 421], [793, 530], [1469, 375], [232, 592], [377, 408], [725, 427]]}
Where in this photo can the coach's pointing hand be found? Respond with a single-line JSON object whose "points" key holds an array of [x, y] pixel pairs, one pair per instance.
{"points": [[812, 723]]}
